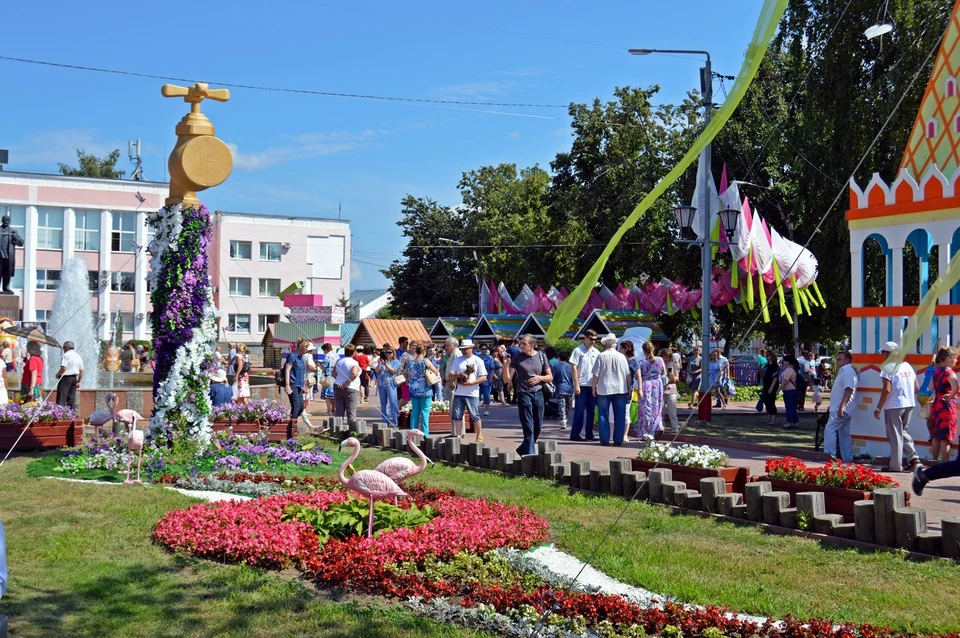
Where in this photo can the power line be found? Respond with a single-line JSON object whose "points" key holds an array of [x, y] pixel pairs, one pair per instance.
{"points": [[357, 96]]}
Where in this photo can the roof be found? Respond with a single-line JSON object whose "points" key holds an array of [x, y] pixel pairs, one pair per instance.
{"points": [[500, 327], [347, 330], [617, 322], [538, 323], [363, 297], [287, 332], [459, 327], [79, 178], [428, 322], [381, 331]]}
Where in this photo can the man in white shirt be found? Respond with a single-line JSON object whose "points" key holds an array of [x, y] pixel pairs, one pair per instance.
{"points": [[452, 353], [841, 401], [581, 362], [611, 383], [898, 397], [465, 374], [70, 374]]}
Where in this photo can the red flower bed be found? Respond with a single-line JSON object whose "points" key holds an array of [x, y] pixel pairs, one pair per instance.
{"points": [[850, 476]]}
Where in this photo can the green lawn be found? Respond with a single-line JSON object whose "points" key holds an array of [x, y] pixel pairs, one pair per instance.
{"points": [[82, 563]]}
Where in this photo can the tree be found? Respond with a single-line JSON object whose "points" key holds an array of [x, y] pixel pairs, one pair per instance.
{"points": [[387, 313], [92, 166]]}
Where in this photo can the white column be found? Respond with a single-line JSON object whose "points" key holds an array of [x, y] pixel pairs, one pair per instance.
{"points": [[943, 322], [106, 234], [856, 299], [897, 273], [30, 265], [69, 233], [140, 279]]}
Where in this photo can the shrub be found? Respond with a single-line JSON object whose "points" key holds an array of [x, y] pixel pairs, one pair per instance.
{"points": [[350, 518]]}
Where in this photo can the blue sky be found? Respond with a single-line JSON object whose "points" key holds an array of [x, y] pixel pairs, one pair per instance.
{"points": [[305, 155]]}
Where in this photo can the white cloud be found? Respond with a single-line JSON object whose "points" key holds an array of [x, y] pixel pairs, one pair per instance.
{"points": [[514, 135], [304, 146], [59, 146], [356, 274]]}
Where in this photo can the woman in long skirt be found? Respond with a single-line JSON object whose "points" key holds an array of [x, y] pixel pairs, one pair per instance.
{"points": [[650, 409]]}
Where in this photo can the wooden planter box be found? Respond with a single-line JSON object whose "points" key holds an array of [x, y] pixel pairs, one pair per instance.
{"points": [[439, 422], [734, 477], [44, 435], [837, 500], [277, 432]]}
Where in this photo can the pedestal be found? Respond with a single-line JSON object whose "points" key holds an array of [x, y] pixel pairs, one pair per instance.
{"points": [[10, 306]]}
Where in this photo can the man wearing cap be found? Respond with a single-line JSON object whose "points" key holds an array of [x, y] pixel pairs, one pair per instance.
{"points": [[611, 383], [841, 400], [465, 374], [220, 392], [898, 397], [581, 363], [70, 374]]}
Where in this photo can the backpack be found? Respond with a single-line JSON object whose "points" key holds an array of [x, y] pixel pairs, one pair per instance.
{"points": [[245, 368], [280, 378]]}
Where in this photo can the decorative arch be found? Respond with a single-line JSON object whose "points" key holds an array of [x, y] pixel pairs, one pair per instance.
{"points": [[922, 243], [950, 86], [931, 128]]}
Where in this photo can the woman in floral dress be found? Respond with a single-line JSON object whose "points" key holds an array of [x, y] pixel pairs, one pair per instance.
{"points": [[241, 364], [943, 411], [421, 392], [650, 409]]}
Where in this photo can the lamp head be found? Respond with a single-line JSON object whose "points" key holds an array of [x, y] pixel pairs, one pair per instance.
{"points": [[640, 51]]}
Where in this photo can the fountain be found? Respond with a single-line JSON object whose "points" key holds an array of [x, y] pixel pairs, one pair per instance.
{"points": [[72, 320]]}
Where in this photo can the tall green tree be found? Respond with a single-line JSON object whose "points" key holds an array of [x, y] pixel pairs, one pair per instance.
{"points": [[90, 165]]}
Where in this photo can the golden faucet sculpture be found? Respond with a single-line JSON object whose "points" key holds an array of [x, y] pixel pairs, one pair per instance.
{"points": [[199, 160]]}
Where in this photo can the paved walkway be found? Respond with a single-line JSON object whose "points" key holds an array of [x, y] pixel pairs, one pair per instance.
{"points": [[502, 429]]}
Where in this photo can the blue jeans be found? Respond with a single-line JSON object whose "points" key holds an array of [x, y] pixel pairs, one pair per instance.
{"points": [[420, 414], [838, 428], [530, 405], [388, 405], [619, 402], [584, 405], [485, 394], [437, 391], [790, 405], [296, 403]]}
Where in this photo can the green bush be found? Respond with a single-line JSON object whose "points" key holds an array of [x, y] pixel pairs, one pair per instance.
{"points": [[350, 519], [565, 345]]}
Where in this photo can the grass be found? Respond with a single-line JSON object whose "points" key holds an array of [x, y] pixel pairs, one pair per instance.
{"points": [[82, 564]]}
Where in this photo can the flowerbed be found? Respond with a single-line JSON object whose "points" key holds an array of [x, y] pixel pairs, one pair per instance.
{"points": [[44, 412], [851, 476], [436, 406], [264, 412], [112, 454], [687, 455]]}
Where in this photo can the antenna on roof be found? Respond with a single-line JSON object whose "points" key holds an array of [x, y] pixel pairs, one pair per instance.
{"points": [[339, 209], [133, 152], [4, 157]]}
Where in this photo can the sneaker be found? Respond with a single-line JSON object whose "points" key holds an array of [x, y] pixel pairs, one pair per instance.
{"points": [[486, 413], [918, 482], [564, 426]]}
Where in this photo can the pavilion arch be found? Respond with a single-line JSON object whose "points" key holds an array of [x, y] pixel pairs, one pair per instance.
{"points": [[886, 281], [922, 244]]}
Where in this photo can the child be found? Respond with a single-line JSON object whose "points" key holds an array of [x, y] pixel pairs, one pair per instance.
{"points": [[670, 400], [563, 379], [817, 394]]}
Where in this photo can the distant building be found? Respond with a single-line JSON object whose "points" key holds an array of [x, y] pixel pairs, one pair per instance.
{"points": [[103, 221], [365, 304]]}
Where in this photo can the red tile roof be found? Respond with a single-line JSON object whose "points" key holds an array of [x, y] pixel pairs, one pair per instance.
{"points": [[381, 331]]}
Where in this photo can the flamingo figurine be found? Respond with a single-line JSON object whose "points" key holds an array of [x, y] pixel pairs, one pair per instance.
{"points": [[102, 417], [128, 417], [400, 468], [375, 485], [134, 442]]}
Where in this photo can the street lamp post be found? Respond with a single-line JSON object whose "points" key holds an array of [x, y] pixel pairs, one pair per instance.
{"points": [[704, 408], [479, 278]]}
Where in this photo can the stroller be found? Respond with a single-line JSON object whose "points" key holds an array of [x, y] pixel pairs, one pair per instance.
{"points": [[551, 409]]}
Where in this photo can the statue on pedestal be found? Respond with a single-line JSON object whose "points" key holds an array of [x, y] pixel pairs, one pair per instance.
{"points": [[9, 240]]}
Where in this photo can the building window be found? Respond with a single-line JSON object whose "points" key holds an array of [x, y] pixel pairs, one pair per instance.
{"points": [[18, 216], [88, 230], [269, 251], [123, 282], [931, 128], [264, 320], [269, 287], [47, 279], [94, 280], [127, 318], [238, 323], [124, 232], [151, 233], [43, 316], [239, 286], [50, 228], [240, 249], [16, 283]]}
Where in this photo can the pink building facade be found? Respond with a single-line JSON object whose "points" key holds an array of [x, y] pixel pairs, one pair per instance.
{"points": [[103, 222]]}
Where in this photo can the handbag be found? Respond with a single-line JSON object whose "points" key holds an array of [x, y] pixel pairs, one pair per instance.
{"points": [[399, 379], [547, 387], [432, 377], [924, 413], [326, 381]]}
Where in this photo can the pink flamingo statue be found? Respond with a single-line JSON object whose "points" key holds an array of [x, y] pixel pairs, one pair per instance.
{"points": [[128, 417], [400, 468], [375, 485], [134, 442], [102, 417]]}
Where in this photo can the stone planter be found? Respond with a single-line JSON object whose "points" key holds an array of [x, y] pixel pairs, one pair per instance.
{"points": [[276, 432], [734, 477], [44, 435], [440, 422], [837, 500]]}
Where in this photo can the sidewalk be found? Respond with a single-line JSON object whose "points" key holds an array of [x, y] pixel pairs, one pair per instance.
{"points": [[502, 429]]}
